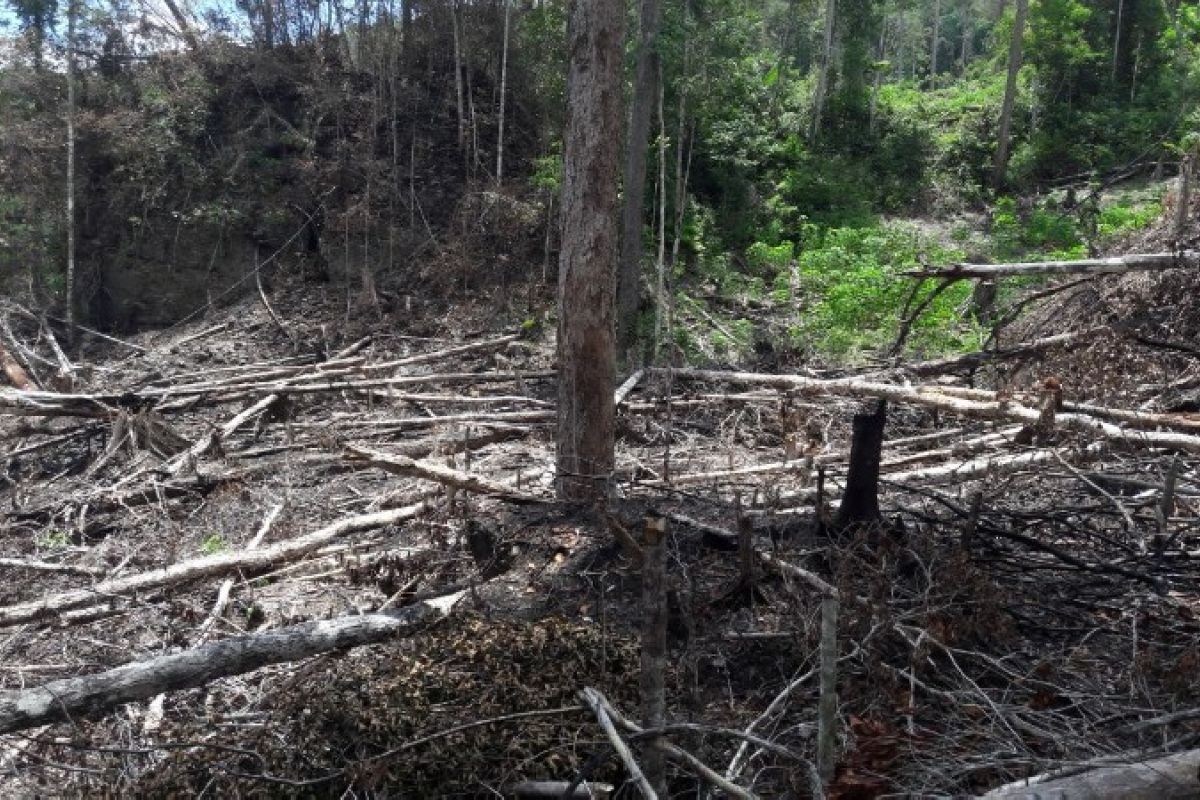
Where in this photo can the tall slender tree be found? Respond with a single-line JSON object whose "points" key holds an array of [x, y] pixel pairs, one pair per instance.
{"points": [[587, 261], [645, 93], [72, 14], [822, 87], [503, 91], [1015, 51]]}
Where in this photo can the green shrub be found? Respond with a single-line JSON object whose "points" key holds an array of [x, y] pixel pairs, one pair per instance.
{"points": [[853, 292]]}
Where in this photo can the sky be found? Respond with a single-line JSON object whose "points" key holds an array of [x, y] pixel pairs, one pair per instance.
{"points": [[153, 11]]}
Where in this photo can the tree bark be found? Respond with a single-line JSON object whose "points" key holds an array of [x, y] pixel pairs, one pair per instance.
{"points": [[67, 698], [645, 91], [587, 262], [1015, 49]]}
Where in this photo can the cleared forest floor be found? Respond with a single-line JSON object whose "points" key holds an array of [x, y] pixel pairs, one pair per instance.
{"points": [[1032, 604]]}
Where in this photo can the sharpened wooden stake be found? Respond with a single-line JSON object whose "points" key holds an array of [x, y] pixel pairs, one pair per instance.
{"points": [[654, 646]]}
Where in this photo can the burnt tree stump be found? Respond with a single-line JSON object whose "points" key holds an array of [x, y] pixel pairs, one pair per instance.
{"points": [[860, 502]]}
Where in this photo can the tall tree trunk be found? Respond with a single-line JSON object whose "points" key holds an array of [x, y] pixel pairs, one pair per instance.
{"points": [[587, 261], [1015, 50], [660, 288], [682, 167], [72, 13], [503, 89], [823, 73], [1116, 59], [644, 95], [877, 77], [933, 47], [458, 80], [968, 30]]}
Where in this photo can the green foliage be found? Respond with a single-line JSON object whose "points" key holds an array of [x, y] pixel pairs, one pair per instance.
{"points": [[852, 292], [213, 544], [1040, 232], [547, 170], [52, 539], [1126, 217]]}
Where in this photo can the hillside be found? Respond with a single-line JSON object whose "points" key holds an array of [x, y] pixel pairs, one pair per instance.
{"points": [[972, 632], [734, 398]]}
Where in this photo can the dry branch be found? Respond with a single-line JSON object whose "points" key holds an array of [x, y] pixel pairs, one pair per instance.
{"points": [[971, 361], [206, 567], [939, 398], [53, 404], [403, 465], [64, 699], [1090, 266]]}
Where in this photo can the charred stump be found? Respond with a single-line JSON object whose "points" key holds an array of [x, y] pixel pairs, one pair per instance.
{"points": [[860, 502]]}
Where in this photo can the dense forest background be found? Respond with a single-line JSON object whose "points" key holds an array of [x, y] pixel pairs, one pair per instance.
{"points": [[392, 145]]}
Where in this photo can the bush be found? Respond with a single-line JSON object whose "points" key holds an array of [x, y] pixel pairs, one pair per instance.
{"points": [[853, 292]]}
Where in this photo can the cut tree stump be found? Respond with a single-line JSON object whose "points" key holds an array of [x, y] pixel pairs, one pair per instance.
{"points": [[860, 501]]}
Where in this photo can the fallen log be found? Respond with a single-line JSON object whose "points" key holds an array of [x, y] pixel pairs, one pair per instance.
{"points": [[1134, 262], [403, 465], [205, 567], [65, 699], [1174, 777], [940, 398], [53, 404], [15, 373]]}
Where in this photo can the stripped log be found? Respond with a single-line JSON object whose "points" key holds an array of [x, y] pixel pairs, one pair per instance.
{"points": [[67, 698], [1134, 262], [403, 465], [53, 404], [15, 373], [1174, 777], [939, 398], [205, 567]]}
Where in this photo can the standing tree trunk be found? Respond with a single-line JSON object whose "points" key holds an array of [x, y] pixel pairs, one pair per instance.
{"points": [[644, 94], [458, 81], [933, 47], [503, 89], [587, 260], [660, 263], [1015, 49], [1116, 59], [72, 13], [968, 33], [823, 73]]}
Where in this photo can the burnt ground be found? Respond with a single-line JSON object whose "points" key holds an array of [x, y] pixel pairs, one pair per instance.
{"points": [[1023, 620]]}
